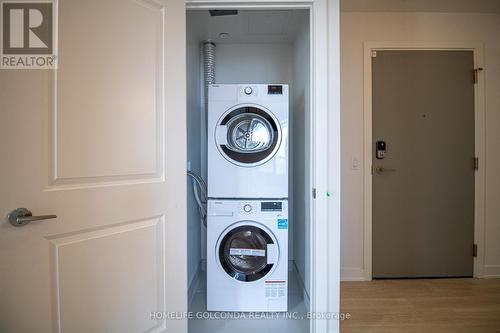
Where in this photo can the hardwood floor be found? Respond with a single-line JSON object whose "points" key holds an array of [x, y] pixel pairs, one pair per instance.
{"points": [[432, 305]]}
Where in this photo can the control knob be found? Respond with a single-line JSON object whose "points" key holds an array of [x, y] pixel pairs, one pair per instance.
{"points": [[248, 90]]}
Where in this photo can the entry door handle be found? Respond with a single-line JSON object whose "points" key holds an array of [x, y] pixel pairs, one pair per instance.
{"points": [[381, 169], [22, 216]]}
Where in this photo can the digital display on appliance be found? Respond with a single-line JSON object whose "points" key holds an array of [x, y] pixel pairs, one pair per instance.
{"points": [[275, 90], [271, 206]]}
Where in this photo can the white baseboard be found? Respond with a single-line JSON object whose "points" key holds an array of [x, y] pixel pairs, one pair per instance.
{"points": [[193, 286], [358, 274], [352, 274], [491, 271]]}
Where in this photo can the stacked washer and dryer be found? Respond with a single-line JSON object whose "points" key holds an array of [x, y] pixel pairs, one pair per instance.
{"points": [[247, 224]]}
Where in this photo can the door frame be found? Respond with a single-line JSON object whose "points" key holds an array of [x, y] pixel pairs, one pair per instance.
{"points": [[325, 161], [479, 145]]}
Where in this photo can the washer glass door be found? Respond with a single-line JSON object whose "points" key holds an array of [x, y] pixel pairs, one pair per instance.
{"points": [[243, 253], [252, 136]]}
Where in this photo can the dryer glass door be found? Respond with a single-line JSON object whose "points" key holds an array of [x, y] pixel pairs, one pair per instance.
{"points": [[243, 253], [249, 133], [252, 136]]}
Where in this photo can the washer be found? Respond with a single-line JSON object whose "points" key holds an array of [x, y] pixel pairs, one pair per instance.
{"points": [[247, 255], [248, 141]]}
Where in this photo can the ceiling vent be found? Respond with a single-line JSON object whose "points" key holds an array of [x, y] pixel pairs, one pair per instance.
{"points": [[222, 12]]}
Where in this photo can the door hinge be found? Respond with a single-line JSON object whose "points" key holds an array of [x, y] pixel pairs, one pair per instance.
{"points": [[314, 193], [476, 74], [474, 250], [374, 54], [476, 163]]}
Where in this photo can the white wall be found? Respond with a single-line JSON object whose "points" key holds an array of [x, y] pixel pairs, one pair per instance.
{"points": [[194, 112], [359, 27], [301, 157], [253, 63]]}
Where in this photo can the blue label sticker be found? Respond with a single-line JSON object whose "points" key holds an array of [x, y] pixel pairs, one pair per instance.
{"points": [[282, 223]]}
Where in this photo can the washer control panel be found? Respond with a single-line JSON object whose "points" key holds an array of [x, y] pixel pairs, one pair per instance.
{"points": [[265, 207], [271, 206], [249, 209]]}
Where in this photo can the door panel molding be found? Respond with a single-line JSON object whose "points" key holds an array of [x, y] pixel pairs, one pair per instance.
{"points": [[137, 244], [77, 162], [479, 115]]}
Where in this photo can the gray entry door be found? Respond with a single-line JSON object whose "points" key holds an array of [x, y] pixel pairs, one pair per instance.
{"points": [[423, 189]]}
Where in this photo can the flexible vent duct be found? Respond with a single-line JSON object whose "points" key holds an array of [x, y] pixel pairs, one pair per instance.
{"points": [[209, 66]]}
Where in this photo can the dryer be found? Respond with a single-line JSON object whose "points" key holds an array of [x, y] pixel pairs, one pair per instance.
{"points": [[247, 255], [248, 141]]}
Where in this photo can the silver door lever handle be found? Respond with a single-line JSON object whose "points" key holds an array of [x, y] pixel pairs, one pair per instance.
{"points": [[21, 216], [381, 169]]}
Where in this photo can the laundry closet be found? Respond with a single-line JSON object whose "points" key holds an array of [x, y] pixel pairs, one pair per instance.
{"points": [[248, 137]]}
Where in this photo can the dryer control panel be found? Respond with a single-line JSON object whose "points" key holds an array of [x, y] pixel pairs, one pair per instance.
{"points": [[256, 92], [272, 89]]}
